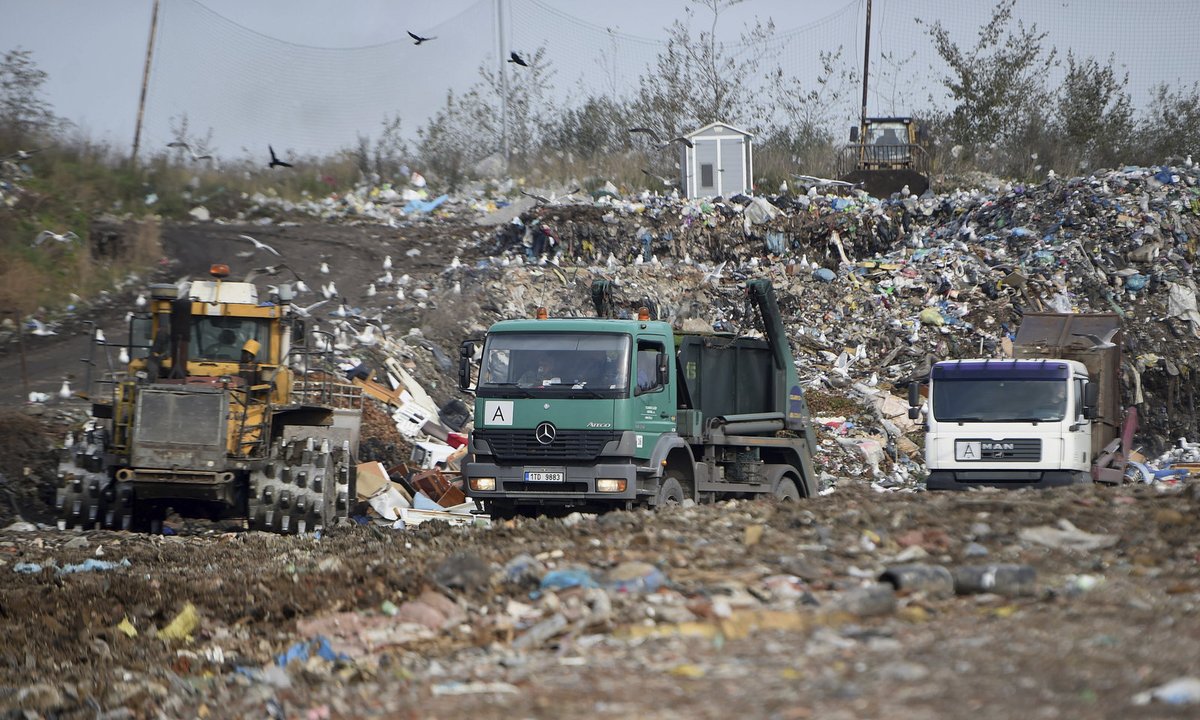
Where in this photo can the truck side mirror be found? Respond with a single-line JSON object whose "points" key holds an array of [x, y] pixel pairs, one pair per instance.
{"points": [[914, 397], [1091, 401], [914, 413], [466, 352], [854, 134]]}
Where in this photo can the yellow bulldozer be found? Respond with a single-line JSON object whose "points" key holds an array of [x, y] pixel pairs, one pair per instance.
{"points": [[221, 411], [885, 154]]}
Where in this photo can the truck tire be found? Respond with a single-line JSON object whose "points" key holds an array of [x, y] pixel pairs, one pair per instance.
{"points": [[670, 491], [786, 490]]}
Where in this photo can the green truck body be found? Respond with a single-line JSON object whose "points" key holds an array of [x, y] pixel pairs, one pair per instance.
{"points": [[599, 413]]}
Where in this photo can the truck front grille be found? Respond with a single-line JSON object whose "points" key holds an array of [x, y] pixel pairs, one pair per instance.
{"points": [[1011, 450], [520, 446]]}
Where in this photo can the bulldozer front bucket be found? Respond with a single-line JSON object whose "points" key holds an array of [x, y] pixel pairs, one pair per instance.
{"points": [[882, 183]]}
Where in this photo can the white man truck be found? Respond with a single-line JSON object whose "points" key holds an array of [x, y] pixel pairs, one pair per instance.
{"points": [[1049, 416]]}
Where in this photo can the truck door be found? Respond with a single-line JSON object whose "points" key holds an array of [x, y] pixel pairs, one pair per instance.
{"points": [[653, 399]]}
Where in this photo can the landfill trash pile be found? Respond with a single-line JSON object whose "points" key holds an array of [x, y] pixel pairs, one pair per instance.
{"points": [[881, 601]]}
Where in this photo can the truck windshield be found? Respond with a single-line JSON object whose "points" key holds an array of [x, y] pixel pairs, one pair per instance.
{"points": [[999, 400], [561, 364]]}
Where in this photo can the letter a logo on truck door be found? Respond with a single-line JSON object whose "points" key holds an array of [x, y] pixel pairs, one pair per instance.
{"points": [[498, 412]]}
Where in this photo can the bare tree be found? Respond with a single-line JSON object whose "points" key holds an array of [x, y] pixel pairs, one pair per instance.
{"points": [[697, 80], [24, 113], [998, 83]]}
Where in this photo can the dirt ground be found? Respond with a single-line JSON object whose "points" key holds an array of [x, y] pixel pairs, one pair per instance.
{"points": [[748, 609], [1101, 626]]}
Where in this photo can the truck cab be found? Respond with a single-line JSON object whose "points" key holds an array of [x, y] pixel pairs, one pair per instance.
{"points": [[1008, 423], [1049, 416]]}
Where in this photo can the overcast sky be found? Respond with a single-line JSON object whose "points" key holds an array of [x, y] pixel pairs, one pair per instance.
{"points": [[254, 71], [94, 51]]}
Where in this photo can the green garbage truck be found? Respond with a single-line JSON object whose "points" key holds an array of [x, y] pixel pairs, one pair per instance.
{"points": [[604, 412]]}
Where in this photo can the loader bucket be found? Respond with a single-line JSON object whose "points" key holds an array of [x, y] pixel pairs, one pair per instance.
{"points": [[882, 183]]}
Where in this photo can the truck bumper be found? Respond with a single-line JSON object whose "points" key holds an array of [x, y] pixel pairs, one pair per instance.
{"points": [[964, 479], [577, 489]]}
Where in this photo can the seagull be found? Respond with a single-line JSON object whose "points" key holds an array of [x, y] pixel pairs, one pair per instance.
{"points": [[516, 59], [123, 356], [324, 268], [259, 245], [38, 397], [371, 290], [417, 39], [100, 339], [387, 262], [660, 178], [64, 392], [26, 154], [1100, 343], [275, 160], [140, 302], [329, 291], [68, 236], [654, 136], [386, 278], [539, 198], [190, 149], [307, 311], [39, 328]]}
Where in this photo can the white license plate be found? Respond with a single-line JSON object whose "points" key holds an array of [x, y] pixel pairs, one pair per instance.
{"points": [[967, 450], [544, 476]]}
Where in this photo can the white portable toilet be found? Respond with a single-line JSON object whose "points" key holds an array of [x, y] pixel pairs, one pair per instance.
{"points": [[720, 161]]}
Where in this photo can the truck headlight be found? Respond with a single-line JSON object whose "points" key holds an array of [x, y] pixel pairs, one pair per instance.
{"points": [[483, 483], [610, 485]]}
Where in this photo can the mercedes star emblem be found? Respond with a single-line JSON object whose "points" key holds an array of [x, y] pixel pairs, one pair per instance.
{"points": [[544, 433]]}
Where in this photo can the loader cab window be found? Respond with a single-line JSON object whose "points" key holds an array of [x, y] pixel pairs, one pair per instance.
{"points": [[221, 338], [888, 141]]}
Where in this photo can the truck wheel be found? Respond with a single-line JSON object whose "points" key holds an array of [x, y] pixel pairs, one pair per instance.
{"points": [[670, 492], [786, 490]]}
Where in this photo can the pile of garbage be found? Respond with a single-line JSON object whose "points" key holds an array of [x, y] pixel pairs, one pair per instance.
{"points": [[874, 290]]}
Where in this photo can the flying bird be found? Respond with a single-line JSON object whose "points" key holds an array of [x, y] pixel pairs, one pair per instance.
{"points": [[275, 160], [658, 141], [417, 39], [539, 198], [190, 149], [513, 57], [307, 311], [260, 245], [44, 235], [660, 178], [39, 328], [1100, 342]]}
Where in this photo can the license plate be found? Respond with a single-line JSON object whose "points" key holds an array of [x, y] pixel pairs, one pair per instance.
{"points": [[544, 476], [967, 450]]}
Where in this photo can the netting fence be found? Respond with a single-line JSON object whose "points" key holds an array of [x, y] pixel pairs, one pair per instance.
{"points": [[242, 89]]}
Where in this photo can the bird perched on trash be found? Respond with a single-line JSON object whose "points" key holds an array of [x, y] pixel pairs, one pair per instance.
{"points": [[516, 59], [1100, 342], [417, 39], [44, 235], [658, 141], [64, 392], [190, 149], [324, 268], [387, 262], [258, 245], [275, 161]]}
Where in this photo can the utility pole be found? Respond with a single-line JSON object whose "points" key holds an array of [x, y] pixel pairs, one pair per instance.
{"points": [[501, 47], [866, 67], [137, 133]]}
